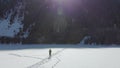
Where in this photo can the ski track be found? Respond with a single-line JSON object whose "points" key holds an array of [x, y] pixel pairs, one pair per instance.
{"points": [[24, 56], [56, 62], [46, 60]]}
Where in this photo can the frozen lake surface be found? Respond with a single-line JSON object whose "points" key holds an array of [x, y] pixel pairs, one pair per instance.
{"points": [[63, 56]]}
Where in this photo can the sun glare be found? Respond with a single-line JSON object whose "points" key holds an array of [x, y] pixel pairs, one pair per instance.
{"points": [[62, 1], [59, 1], [69, 3]]}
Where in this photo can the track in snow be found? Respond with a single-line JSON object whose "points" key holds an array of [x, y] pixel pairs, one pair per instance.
{"points": [[24, 56], [46, 60]]}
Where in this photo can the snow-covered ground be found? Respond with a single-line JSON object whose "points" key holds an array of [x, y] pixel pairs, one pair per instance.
{"points": [[63, 56]]}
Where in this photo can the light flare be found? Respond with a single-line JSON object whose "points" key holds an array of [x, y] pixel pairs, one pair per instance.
{"points": [[67, 1], [61, 1]]}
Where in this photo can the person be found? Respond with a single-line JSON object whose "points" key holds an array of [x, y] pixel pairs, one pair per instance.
{"points": [[50, 53]]}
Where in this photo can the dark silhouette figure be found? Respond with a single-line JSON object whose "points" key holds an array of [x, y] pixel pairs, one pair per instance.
{"points": [[50, 53]]}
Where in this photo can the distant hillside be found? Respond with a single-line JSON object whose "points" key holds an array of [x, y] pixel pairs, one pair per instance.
{"points": [[50, 21]]}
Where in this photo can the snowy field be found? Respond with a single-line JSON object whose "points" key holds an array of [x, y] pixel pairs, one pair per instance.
{"points": [[63, 56]]}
